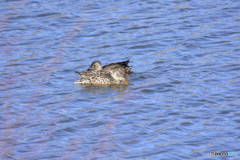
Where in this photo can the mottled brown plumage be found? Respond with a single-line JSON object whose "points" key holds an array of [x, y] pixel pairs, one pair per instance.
{"points": [[101, 77]]}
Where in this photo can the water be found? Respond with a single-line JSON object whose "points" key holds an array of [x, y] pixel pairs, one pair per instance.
{"points": [[184, 92]]}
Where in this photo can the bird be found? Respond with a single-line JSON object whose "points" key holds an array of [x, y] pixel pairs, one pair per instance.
{"points": [[112, 67], [101, 77]]}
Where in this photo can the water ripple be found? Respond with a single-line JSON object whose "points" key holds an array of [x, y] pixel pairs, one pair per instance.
{"points": [[183, 97]]}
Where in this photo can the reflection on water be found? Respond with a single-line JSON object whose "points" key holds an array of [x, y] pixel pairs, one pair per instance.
{"points": [[183, 97], [98, 89]]}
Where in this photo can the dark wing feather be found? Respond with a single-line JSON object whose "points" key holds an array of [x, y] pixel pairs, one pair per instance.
{"points": [[123, 66]]}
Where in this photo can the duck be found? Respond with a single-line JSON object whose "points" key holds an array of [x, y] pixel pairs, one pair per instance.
{"points": [[112, 67], [101, 77]]}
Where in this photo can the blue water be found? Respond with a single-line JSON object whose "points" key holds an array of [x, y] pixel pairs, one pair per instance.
{"points": [[184, 94]]}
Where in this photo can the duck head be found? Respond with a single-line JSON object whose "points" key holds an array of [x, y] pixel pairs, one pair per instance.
{"points": [[118, 75], [95, 66]]}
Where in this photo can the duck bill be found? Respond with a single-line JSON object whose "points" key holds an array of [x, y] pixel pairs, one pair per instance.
{"points": [[124, 81]]}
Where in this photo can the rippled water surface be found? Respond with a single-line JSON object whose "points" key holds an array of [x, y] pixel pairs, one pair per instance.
{"points": [[184, 94]]}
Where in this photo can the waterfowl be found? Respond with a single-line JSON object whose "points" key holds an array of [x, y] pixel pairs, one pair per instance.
{"points": [[101, 77], [112, 67]]}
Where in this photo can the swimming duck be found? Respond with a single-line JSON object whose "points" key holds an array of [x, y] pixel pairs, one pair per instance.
{"points": [[101, 77], [112, 67]]}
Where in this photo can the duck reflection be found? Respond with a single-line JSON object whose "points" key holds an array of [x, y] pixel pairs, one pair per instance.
{"points": [[98, 89]]}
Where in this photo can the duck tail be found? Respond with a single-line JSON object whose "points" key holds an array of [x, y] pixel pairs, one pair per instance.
{"points": [[78, 72], [128, 68], [124, 63]]}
